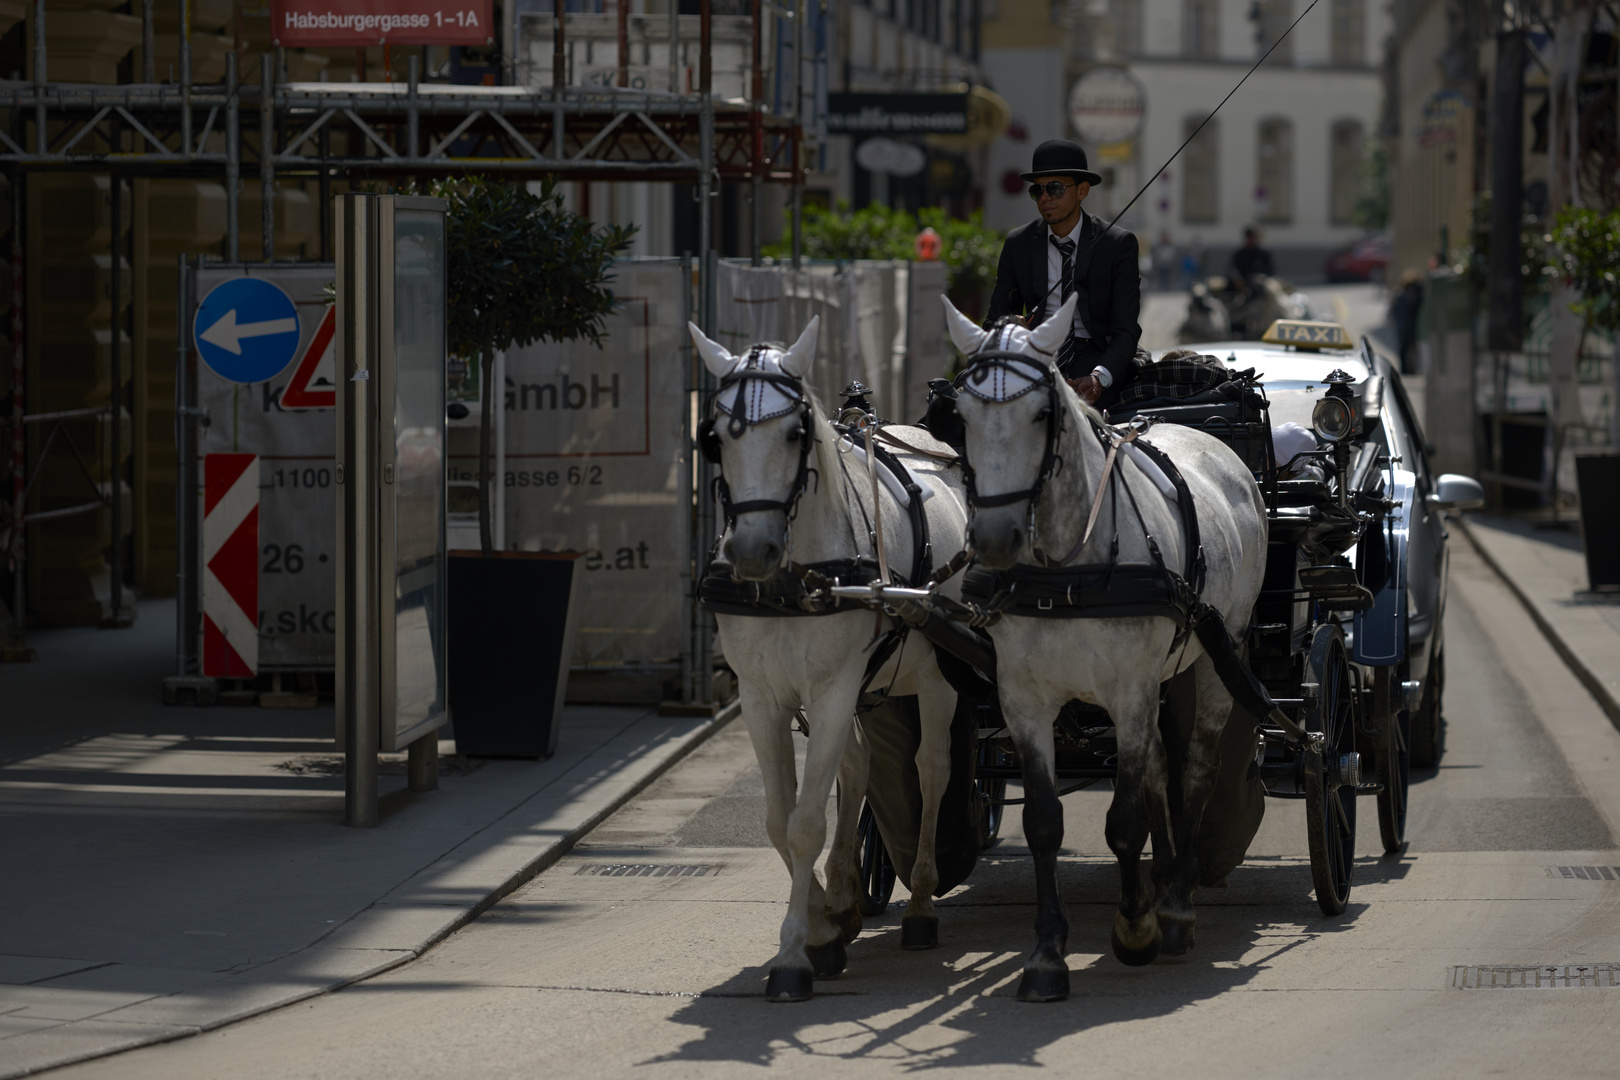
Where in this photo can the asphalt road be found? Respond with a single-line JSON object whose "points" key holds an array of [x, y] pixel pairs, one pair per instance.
{"points": [[581, 974]]}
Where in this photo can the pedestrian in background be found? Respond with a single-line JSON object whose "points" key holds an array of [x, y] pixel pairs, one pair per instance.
{"points": [[1164, 262], [1403, 312]]}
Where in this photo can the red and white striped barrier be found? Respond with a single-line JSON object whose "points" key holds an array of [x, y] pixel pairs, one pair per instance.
{"points": [[230, 585]]}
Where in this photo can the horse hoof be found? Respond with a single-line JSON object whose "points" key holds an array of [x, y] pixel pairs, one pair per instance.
{"points": [[1177, 936], [1039, 984], [788, 984], [827, 960], [1139, 954], [848, 923], [919, 932]]}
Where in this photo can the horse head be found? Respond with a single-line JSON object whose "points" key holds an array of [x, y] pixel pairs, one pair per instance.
{"points": [[760, 430], [1012, 403]]}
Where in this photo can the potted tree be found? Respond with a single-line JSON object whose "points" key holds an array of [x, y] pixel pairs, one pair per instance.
{"points": [[523, 268]]}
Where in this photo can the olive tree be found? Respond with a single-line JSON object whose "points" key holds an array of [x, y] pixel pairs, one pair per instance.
{"points": [[522, 268]]}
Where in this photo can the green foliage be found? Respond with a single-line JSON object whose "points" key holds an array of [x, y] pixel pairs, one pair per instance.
{"points": [[1586, 251], [1371, 211], [1473, 259], [878, 232], [523, 267]]}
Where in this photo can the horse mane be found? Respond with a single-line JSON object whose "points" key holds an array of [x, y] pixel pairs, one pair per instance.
{"points": [[826, 447]]}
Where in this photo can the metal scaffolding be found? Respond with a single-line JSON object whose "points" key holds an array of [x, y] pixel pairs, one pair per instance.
{"points": [[410, 131]]}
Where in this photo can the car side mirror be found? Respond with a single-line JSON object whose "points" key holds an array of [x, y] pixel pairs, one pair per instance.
{"points": [[1456, 492]]}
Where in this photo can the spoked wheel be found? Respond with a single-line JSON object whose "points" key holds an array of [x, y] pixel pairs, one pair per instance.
{"points": [[1330, 804], [877, 872], [992, 790], [1392, 762]]}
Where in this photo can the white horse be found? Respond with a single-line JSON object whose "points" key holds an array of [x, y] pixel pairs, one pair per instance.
{"points": [[1032, 442], [794, 499]]}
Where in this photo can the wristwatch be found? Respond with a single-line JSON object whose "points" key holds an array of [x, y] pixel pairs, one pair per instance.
{"points": [[1103, 376]]}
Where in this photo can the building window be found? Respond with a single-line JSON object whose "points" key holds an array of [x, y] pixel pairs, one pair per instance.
{"points": [[1127, 27], [1275, 192], [1344, 171], [1201, 29], [1275, 17], [1350, 33], [1201, 163]]}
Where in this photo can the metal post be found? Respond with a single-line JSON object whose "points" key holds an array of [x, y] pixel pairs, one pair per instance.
{"points": [[357, 665], [799, 14], [705, 154], [691, 565], [623, 76], [412, 117], [515, 47], [40, 142], [559, 76], [267, 151], [674, 47], [182, 496], [233, 162], [19, 437], [185, 78], [115, 484], [422, 757], [148, 61], [756, 146]]}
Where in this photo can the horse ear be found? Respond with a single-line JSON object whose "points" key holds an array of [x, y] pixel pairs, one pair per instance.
{"points": [[1048, 336], [797, 360], [715, 357], [965, 333]]}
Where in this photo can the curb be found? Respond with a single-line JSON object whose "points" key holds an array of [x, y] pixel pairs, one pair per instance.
{"points": [[1606, 701], [406, 953]]}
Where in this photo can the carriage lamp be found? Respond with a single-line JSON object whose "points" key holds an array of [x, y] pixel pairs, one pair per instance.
{"points": [[1334, 417], [857, 406]]}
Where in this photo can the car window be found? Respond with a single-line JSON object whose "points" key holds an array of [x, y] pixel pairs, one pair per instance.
{"points": [[1406, 435]]}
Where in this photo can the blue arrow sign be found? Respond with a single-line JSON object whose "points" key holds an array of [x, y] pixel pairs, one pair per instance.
{"points": [[246, 330]]}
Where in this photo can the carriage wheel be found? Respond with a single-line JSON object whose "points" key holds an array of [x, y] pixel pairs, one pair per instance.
{"points": [[1393, 763], [1330, 807], [877, 872], [992, 790]]}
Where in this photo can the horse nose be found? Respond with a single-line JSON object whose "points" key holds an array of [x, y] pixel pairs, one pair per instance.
{"points": [[997, 546]]}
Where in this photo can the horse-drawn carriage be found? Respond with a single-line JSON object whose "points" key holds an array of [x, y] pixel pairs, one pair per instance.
{"points": [[1245, 605]]}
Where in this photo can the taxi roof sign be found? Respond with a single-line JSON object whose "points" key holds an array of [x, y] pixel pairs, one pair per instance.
{"points": [[1308, 335]]}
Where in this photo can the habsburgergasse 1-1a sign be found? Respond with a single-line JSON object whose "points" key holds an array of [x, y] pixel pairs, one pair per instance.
{"points": [[1107, 106], [246, 330]]}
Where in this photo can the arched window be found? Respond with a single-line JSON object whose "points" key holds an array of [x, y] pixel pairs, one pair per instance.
{"points": [[1201, 29], [1344, 171], [1350, 33], [1275, 17], [1275, 192], [1200, 172]]}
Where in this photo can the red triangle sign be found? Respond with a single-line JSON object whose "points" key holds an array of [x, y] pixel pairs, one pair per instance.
{"points": [[299, 393]]}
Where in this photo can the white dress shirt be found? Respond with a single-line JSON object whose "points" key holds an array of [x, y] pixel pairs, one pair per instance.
{"points": [[1054, 275]]}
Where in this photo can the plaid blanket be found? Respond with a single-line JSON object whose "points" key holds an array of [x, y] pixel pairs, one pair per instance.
{"points": [[1184, 374]]}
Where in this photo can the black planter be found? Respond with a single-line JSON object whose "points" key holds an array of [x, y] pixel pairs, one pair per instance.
{"points": [[1597, 479], [511, 633]]}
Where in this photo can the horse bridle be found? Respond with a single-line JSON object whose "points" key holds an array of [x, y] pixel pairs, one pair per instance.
{"points": [[983, 366], [791, 387]]}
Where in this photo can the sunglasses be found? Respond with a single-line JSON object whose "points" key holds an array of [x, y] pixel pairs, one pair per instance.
{"points": [[1054, 188]]}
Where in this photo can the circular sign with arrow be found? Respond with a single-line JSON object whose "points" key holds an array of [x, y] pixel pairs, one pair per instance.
{"points": [[246, 330]]}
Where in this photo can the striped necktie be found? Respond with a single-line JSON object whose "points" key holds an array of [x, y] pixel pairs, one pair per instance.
{"points": [[1066, 350]]}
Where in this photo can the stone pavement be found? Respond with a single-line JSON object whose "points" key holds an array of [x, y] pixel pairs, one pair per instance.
{"points": [[170, 870], [1546, 569]]}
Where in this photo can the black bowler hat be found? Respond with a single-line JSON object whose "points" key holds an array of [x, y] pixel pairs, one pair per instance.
{"points": [[1060, 157]]}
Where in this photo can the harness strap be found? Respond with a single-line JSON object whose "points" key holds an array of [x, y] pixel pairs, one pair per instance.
{"points": [[895, 440]]}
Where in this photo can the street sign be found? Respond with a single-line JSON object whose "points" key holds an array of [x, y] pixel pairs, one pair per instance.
{"points": [[357, 23], [1107, 105], [311, 386], [247, 330], [230, 559]]}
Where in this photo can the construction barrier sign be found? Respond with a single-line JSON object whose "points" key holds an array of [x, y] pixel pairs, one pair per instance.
{"points": [[274, 400], [230, 577]]}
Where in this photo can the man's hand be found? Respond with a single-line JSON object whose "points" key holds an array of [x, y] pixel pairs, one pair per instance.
{"points": [[1087, 387]]}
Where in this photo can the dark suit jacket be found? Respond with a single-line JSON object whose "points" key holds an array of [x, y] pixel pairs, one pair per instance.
{"points": [[1113, 281]]}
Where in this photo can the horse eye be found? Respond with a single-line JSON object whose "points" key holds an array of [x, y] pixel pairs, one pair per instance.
{"points": [[795, 435], [1043, 412]]}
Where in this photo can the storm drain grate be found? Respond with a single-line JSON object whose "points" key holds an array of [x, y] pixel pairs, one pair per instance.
{"points": [[1551, 977], [644, 870], [1585, 873]]}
